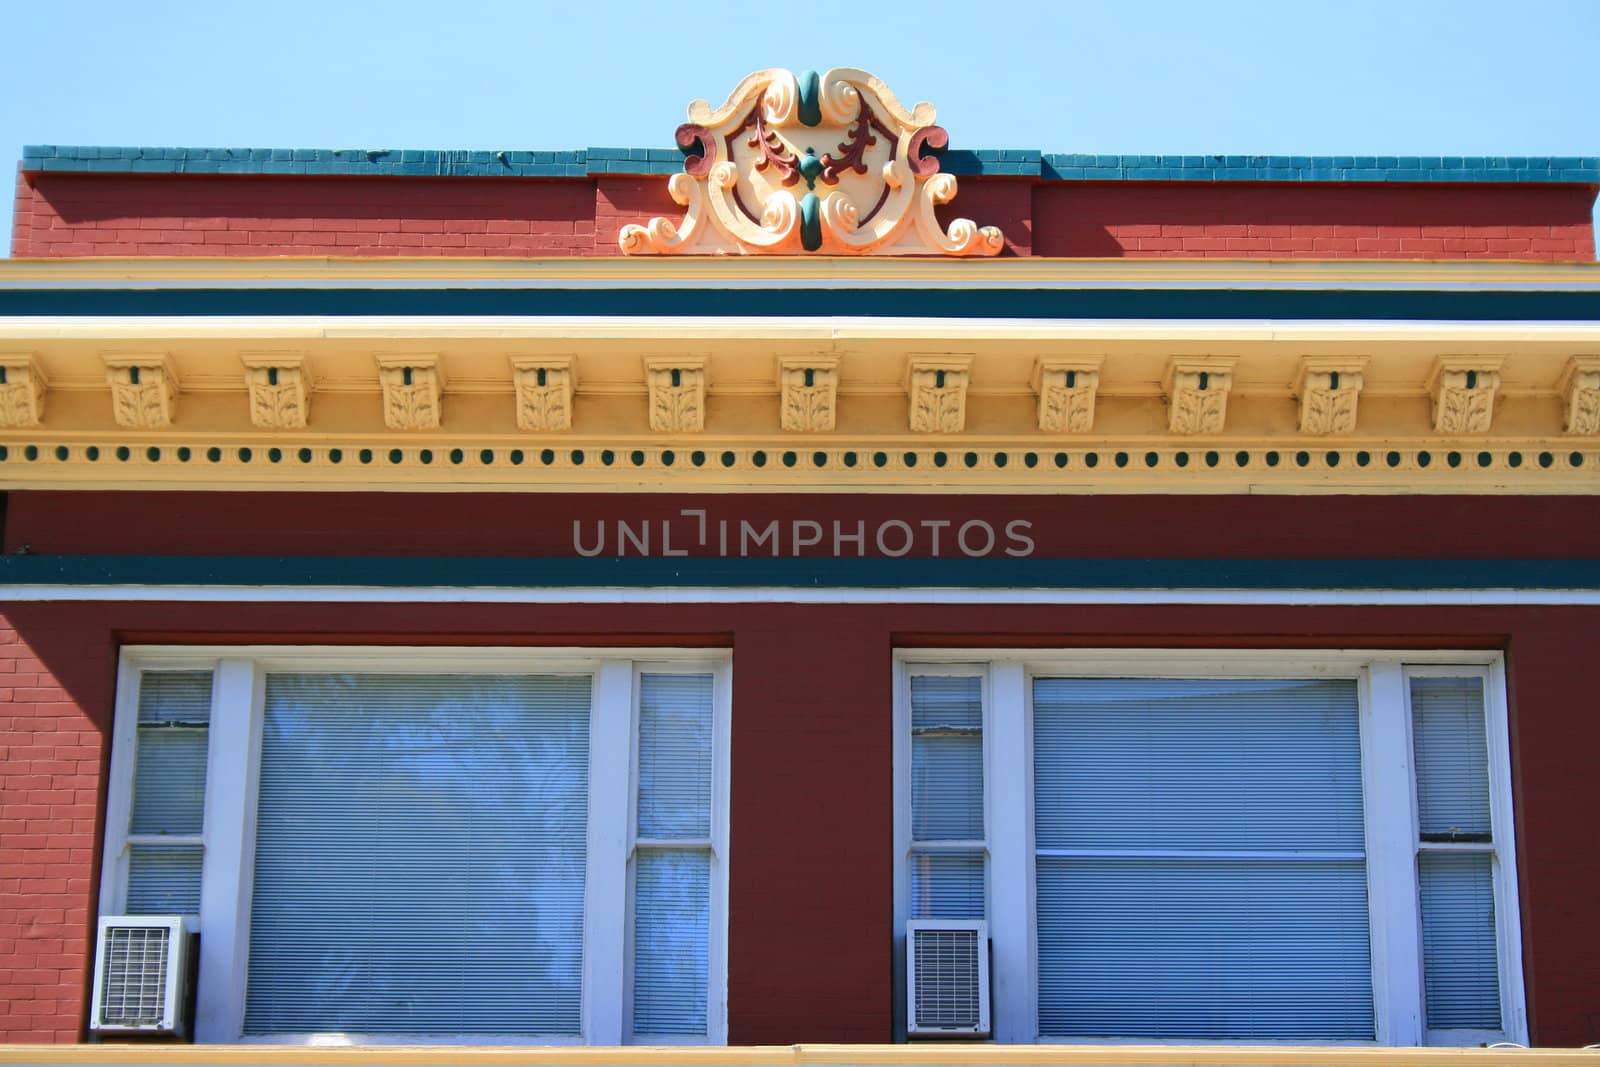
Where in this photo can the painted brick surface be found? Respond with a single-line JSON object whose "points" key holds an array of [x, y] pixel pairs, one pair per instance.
{"points": [[51, 756], [1314, 221], [89, 214]]}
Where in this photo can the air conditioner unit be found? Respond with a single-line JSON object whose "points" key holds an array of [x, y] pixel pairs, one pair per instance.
{"points": [[144, 974], [947, 978]]}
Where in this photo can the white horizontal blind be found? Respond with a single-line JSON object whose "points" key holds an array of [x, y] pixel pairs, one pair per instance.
{"points": [[1201, 859], [420, 852], [947, 811], [672, 862], [169, 789], [1455, 858]]}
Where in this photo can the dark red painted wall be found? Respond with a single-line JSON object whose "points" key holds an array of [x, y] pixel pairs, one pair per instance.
{"points": [[810, 919], [1318, 221], [810, 849], [512, 524], [76, 214]]}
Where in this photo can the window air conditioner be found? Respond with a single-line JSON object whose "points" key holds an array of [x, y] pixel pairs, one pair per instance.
{"points": [[947, 978], [144, 974]]}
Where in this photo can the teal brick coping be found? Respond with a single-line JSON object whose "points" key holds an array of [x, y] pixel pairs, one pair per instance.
{"points": [[1008, 163]]}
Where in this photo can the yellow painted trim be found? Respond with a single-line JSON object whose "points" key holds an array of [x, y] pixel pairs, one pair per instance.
{"points": [[745, 270], [909, 1055], [1194, 465]]}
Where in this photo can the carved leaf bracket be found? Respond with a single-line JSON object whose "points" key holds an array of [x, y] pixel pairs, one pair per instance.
{"points": [[808, 393], [144, 391], [1329, 388], [22, 389], [938, 393], [412, 391], [280, 390], [1197, 393], [1067, 390], [677, 394], [1580, 395], [544, 386], [1463, 389]]}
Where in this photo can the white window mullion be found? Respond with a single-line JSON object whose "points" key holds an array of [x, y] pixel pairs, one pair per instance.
{"points": [[1508, 908], [234, 759], [605, 915], [1391, 863], [1011, 895], [119, 792]]}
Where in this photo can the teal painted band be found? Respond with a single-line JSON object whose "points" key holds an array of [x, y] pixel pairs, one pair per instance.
{"points": [[823, 573], [1014, 163], [1199, 304]]}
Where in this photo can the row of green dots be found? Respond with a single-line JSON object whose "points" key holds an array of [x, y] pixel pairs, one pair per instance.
{"points": [[819, 459]]}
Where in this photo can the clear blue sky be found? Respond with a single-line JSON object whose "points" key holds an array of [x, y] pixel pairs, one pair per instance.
{"points": [[1403, 77]]}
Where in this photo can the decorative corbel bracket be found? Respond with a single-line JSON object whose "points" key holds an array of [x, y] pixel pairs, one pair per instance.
{"points": [[808, 393], [1329, 388], [937, 388], [1580, 395], [1197, 393], [144, 391], [1462, 389], [677, 393], [280, 390], [544, 387], [22, 387], [412, 391], [1067, 389]]}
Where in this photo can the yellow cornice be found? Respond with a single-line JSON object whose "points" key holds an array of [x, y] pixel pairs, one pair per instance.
{"points": [[748, 271]]}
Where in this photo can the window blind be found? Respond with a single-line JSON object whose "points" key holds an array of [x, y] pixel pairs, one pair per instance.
{"points": [[672, 865], [169, 792], [420, 855], [1460, 954], [1201, 859], [947, 796]]}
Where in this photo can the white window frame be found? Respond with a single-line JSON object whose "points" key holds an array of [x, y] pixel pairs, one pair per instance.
{"points": [[1389, 803], [232, 779]]}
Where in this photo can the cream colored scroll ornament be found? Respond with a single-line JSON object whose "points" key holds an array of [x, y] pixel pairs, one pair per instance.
{"points": [[830, 164]]}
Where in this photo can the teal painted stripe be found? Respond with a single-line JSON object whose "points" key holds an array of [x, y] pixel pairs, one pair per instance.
{"points": [[1199, 304], [1010, 162], [720, 573]]}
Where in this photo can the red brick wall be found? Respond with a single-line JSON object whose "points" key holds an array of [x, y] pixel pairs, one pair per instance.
{"points": [[51, 755], [810, 844], [1319, 221], [77, 214]]}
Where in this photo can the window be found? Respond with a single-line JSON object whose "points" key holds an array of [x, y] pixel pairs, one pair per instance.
{"points": [[1191, 847], [431, 845]]}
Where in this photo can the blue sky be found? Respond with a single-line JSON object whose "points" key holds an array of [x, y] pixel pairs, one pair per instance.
{"points": [[1368, 77]]}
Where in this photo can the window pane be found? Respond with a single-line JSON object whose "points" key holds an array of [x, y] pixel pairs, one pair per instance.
{"points": [[169, 776], [169, 780], [175, 696], [672, 907], [947, 885], [420, 852], [164, 879], [1452, 756], [1208, 877], [1459, 957], [942, 702], [1202, 948], [946, 758], [675, 755], [1197, 764]]}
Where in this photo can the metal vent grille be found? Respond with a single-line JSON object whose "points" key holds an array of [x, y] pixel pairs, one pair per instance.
{"points": [[134, 987], [948, 987]]}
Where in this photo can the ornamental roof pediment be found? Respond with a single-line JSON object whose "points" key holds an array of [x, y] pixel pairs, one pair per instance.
{"points": [[829, 164]]}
